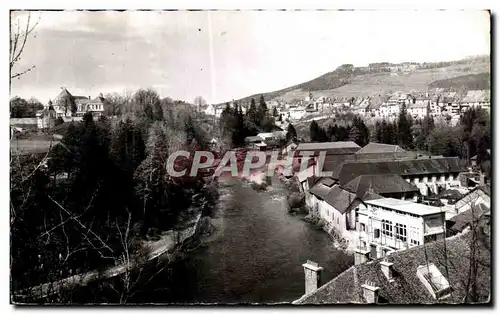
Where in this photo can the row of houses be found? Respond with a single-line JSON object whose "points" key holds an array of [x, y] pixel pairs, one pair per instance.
{"points": [[437, 103], [375, 197], [384, 183]]}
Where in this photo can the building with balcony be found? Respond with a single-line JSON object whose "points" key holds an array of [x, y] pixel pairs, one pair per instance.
{"points": [[386, 225]]}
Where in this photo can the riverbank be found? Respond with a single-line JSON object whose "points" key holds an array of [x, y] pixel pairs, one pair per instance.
{"points": [[168, 242]]}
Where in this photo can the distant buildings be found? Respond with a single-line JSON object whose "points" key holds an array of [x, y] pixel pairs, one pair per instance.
{"points": [[64, 106]]}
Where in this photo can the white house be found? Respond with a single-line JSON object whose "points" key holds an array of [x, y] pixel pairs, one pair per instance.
{"points": [[335, 205], [386, 225], [215, 110], [418, 110], [297, 113]]}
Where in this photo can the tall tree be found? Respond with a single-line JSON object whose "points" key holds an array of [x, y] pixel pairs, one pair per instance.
{"points": [[262, 110], [291, 134], [355, 135], [404, 129]]}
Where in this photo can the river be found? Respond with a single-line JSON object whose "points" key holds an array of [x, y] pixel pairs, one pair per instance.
{"points": [[256, 253]]}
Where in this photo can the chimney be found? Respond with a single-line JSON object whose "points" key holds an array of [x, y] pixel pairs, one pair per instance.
{"points": [[387, 269], [370, 292], [89, 97], [312, 276], [360, 256]]}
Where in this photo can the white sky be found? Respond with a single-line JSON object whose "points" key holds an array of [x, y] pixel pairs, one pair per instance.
{"points": [[240, 53]]}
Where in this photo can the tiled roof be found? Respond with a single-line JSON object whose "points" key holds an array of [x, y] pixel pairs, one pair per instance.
{"points": [[453, 263], [380, 183], [320, 190], [379, 148], [466, 218], [421, 166], [335, 196]]}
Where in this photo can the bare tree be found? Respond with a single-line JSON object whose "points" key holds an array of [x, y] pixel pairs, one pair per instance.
{"points": [[18, 37]]}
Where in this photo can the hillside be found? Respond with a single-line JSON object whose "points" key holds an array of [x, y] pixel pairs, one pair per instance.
{"points": [[468, 82], [362, 82]]}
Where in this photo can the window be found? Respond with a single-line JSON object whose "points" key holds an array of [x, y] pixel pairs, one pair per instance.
{"points": [[362, 227], [415, 242], [376, 233], [338, 221], [401, 232], [387, 228], [362, 245]]}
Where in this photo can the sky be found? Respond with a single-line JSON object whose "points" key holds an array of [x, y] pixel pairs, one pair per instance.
{"points": [[225, 55]]}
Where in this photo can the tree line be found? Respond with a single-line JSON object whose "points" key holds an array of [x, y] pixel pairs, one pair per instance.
{"points": [[235, 125]]}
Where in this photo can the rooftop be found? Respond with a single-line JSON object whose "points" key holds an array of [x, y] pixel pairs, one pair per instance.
{"points": [[332, 148], [406, 288], [379, 148], [409, 167], [405, 206], [380, 183]]}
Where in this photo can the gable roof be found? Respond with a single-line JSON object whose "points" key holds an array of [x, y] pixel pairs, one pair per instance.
{"points": [[453, 262], [402, 167], [464, 219], [341, 199], [380, 184], [331, 148]]}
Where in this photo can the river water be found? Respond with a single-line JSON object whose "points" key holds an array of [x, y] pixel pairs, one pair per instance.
{"points": [[256, 253]]}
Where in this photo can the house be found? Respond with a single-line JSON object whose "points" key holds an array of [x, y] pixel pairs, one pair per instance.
{"points": [[65, 100], [84, 105], [296, 113], [418, 110], [479, 195], [215, 110], [449, 103], [438, 272], [269, 138], [466, 219], [335, 205], [255, 142], [475, 99], [385, 185], [426, 173], [435, 109], [388, 224]]}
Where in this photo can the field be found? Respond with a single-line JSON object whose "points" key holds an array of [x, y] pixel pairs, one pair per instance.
{"points": [[31, 146], [380, 83]]}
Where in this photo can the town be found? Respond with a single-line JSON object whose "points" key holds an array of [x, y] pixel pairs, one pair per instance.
{"points": [[340, 190]]}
